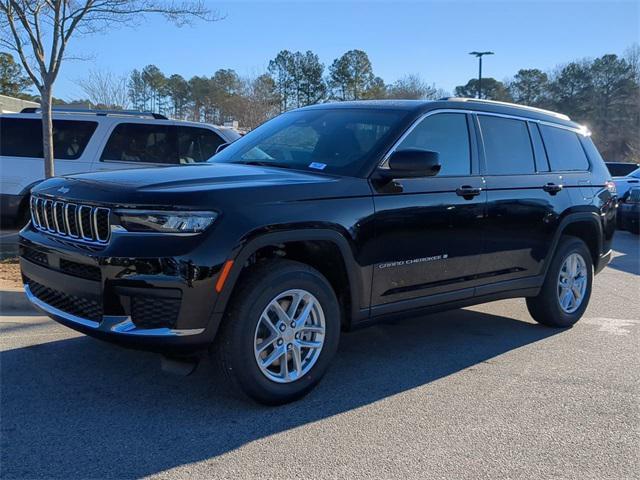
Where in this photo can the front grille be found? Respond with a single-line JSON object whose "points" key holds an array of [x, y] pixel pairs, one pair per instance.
{"points": [[78, 222], [78, 306], [90, 272], [154, 312]]}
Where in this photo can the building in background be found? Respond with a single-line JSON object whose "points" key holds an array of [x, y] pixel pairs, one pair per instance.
{"points": [[13, 105]]}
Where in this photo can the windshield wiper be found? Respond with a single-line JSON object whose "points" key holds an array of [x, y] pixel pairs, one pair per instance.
{"points": [[263, 163]]}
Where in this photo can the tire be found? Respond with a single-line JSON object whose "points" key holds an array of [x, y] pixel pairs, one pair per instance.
{"points": [[244, 329], [546, 308]]}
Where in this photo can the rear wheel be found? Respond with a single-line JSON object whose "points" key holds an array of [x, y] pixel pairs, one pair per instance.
{"points": [[565, 294], [280, 332]]}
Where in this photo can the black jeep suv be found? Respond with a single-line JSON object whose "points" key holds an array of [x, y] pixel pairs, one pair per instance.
{"points": [[323, 219]]}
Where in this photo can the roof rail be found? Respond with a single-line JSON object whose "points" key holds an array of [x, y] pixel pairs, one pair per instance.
{"points": [[507, 104], [90, 111]]}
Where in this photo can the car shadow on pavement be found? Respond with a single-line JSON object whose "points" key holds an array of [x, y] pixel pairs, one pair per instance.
{"points": [[628, 247], [80, 408]]}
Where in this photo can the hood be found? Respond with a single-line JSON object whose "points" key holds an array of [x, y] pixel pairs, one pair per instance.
{"points": [[194, 185]]}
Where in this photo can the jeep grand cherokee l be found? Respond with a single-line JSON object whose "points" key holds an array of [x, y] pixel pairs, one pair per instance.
{"points": [[323, 219]]}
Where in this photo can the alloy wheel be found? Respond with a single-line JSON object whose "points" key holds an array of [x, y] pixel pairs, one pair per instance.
{"points": [[289, 336]]}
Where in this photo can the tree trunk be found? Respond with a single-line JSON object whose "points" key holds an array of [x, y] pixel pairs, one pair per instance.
{"points": [[47, 131]]}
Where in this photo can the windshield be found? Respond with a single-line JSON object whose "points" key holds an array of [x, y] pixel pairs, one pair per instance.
{"points": [[335, 141]]}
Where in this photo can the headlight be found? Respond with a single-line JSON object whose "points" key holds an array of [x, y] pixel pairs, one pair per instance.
{"points": [[164, 221]]}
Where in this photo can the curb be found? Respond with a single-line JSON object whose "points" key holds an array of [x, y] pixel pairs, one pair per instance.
{"points": [[14, 301]]}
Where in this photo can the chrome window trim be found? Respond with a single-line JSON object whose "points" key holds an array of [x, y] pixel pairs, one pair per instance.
{"points": [[383, 164]]}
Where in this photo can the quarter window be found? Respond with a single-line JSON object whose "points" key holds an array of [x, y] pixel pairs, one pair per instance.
{"points": [[507, 146], [22, 137], [447, 134], [144, 143], [564, 149], [197, 144]]}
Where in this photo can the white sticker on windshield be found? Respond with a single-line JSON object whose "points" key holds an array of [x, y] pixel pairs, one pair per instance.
{"points": [[317, 165]]}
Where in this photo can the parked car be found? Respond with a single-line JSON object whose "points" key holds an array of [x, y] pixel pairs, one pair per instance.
{"points": [[93, 140], [621, 169], [629, 211], [326, 218], [624, 184]]}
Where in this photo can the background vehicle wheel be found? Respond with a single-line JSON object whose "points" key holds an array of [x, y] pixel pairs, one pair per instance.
{"points": [[565, 294], [280, 332]]}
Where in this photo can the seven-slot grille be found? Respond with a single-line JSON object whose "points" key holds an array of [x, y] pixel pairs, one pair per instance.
{"points": [[71, 220]]}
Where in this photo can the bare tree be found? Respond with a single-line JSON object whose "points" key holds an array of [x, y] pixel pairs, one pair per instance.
{"points": [[105, 89], [39, 32]]}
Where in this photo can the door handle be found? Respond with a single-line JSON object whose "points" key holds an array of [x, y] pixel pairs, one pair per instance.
{"points": [[552, 188], [468, 192], [633, 181]]}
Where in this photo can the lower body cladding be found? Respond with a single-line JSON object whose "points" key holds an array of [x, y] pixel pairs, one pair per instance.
{"points": [[128, 305]]}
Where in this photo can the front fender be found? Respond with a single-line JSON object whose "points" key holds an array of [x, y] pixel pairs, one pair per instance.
{"points": [[357, 281]]}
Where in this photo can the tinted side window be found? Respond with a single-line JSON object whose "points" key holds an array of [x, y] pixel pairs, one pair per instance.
{"points": [[564, 149], [197, 144], [507, 146], [542, 163], [22, 137], [145, 143], [447, 134]]}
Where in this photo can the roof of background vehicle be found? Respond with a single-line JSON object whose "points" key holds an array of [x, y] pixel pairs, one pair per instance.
{"points": [[420, 106], [141, 117]]}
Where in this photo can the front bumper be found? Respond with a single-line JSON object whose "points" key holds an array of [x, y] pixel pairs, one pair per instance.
{"points": [[163, 304]]}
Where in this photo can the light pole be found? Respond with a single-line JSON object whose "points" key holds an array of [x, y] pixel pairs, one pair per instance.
{"points": [[479, 55]]}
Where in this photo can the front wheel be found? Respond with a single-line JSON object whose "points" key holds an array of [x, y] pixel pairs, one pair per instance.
{"points": [[280, 332], [565, 294]]}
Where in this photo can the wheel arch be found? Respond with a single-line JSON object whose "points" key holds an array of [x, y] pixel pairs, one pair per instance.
{"points": [[311, 236], [585, 226]]}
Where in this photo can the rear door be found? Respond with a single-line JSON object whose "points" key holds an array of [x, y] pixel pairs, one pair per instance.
{"points": [[524, 201], [135, 145], [428, 232]]}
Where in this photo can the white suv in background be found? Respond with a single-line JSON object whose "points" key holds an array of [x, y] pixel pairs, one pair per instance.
{"points": [[93, 140]]}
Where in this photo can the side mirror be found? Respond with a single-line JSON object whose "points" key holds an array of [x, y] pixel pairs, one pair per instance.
{"points": [[222, 146], [412, 163]]}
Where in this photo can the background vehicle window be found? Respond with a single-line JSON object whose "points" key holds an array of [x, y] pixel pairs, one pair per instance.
{"points": [[621, 169], [137, 142], [197, 144], [507, 146], [447, 134], [22, 137], [564, 149]]}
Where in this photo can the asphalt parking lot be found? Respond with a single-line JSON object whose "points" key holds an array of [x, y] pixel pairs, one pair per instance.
{"points": [[475, 393]]}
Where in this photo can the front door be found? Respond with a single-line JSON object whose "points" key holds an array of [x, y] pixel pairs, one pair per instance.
{"points": [[428, 230]]}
